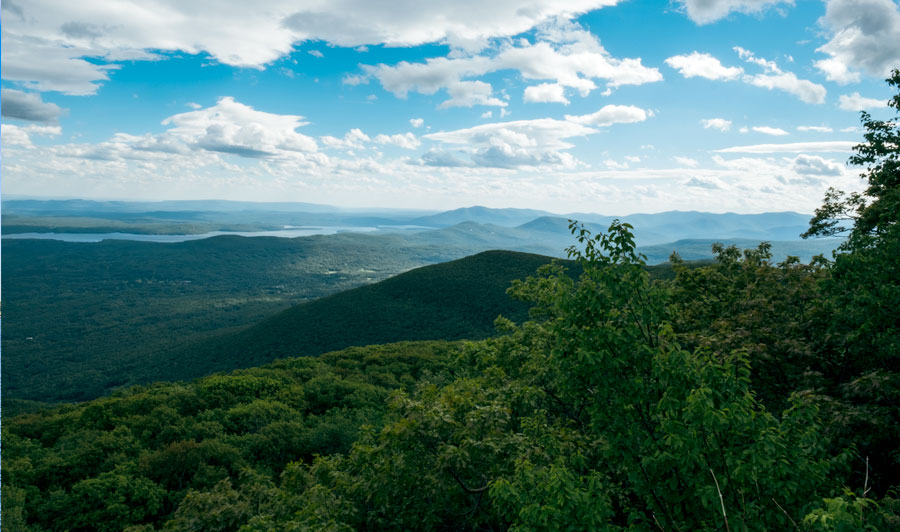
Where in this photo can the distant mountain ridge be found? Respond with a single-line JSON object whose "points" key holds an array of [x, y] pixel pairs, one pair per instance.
{"points": [[650, 228]]}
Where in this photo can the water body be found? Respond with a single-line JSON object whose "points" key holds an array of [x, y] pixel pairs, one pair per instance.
{"points": [[97, 237]]}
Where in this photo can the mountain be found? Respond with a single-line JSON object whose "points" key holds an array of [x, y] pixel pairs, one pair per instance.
{"points": [[481, 215], [449, 301]]}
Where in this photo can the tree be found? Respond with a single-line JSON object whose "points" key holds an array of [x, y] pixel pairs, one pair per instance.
{"points": [[862, 339]]}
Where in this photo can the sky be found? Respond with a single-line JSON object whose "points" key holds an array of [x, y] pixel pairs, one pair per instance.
{"points": [[606, 106]]}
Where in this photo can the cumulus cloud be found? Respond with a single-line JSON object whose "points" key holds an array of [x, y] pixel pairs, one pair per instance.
{"points": [[202, 137], [20, 136], [793, 147], [546, 92], [402, 140], [443, 158], [766, 130], [47, 46], [709, 183], [686, 161], [44, 65], [707, 11], [538, 142], [806, 90], [353, 139], [775, 78], [11, 135], [716, 123], [863, 37], [232, 127], [816, 129], [704, 66], [316, 53], [416, 122], [564, 54], [611, 114], [469, 93], [28, 106], [817, 166], [855, 102]]}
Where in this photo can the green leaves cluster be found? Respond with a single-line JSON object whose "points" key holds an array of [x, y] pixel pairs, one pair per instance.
{"points": [[204, 455]]}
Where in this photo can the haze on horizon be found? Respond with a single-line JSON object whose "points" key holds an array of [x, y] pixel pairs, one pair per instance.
{"points": [[601, 106]]}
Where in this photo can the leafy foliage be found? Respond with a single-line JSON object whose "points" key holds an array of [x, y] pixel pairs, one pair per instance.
{"points": [[198, 456], [862, 328]]}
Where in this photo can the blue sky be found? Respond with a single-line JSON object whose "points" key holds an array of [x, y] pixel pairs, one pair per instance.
{"points": [[586, 105]]}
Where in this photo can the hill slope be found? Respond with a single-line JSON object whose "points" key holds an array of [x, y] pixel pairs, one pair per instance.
{"points": [[449, 301]]}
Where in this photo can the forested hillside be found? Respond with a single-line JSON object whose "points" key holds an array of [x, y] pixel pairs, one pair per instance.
{"points": [[209, 309]]}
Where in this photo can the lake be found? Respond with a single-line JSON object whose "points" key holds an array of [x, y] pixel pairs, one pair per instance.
{"points": [[97, 237]]}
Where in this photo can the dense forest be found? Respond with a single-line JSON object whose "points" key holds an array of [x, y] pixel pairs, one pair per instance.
{"points": [[741, 395]]}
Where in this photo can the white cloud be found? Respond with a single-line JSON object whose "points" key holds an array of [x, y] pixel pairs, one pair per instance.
{"points": [[487, 114], [716, 123], [546, 92], [611, 114], [766, 130], [864, 36], [775, 78], [200, 138], [615, 165], [404, 140], [855, 102], [816, 129], [709, 183], [416, 122], [793, 147], [565, 54], [814, 165], [43, 64], [837, 70], [13, 135], [686, 161], [353, 139], [702, 65], [316, 53], [28, 106], [806, 90], [46, 46], [851, 129], [355, 79], [632, 159], [232, 127], [707, 11], [194, 105], [525, 143], [469, 93]]}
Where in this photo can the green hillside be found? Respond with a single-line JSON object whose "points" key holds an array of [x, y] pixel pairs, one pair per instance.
{"points": [[84, 318], [449, 301]]}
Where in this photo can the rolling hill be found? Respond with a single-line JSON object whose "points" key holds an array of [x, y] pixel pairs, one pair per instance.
{"points": [[449, 301]]}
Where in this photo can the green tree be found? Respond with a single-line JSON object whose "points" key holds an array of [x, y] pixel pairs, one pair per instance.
{"points": [[862, 339]]}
